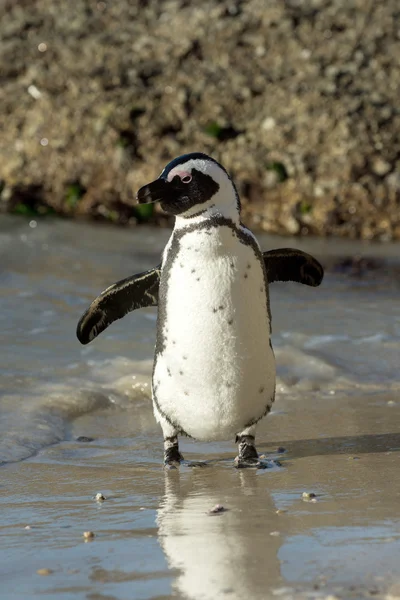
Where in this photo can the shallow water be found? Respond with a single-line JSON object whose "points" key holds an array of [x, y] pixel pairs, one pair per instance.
{"points": [[336, 414]]}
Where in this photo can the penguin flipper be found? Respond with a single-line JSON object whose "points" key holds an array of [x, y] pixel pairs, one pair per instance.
{"points": [[289, 264], [116, 301]]}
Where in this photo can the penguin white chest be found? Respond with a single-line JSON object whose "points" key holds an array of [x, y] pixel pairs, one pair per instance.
{"points": [[214, 370]]}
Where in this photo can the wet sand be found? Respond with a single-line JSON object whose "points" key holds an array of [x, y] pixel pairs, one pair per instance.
{"points": [[336, 416], [154, 537]]}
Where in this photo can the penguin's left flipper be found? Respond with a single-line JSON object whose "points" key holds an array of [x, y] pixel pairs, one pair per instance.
{"points": [[289, 264], [116, 301]]}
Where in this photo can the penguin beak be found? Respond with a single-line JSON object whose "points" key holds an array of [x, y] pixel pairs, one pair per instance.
{"points": [[156, 191]]}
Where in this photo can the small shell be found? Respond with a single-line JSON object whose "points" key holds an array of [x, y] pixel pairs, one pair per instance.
{"points": [[44, 571], [88, 535]]}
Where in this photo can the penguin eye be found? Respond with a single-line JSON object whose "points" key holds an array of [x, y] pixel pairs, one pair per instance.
{"points": [[186, 179]]}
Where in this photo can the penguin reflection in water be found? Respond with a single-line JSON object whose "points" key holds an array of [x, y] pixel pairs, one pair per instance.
{"points": [[214, 367]]}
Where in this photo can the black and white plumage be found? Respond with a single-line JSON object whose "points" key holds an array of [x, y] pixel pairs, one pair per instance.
{"points": [[214, 367]]}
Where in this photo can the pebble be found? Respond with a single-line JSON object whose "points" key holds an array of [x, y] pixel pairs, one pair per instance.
{"points": [[218, 508], [84, 438], [34, 92], [44, 571], [393, 180], [88, 535], [99, 497], [309, 497], [381, 167], [268, 124]]}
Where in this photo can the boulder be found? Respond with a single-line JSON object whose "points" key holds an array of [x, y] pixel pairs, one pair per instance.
{"points": [[298, 99]]}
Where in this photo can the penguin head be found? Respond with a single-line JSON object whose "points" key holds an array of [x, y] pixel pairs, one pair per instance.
{"points": [[192, 185]]}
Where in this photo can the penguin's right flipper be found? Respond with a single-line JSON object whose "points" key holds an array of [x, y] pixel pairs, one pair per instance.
{"points": [[289, 264], [118, 300]]}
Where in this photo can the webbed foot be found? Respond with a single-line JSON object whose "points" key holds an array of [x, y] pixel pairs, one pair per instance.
{"points": [[171, 465], [252, 463], [195, 464], [248, 456]]}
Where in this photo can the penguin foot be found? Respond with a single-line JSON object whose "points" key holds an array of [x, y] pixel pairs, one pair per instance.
{"points": [[250, 463], [172, 456], [172, 461], [247, 449], [261, 462], [194, 464], [171, 465], [248, 456]]}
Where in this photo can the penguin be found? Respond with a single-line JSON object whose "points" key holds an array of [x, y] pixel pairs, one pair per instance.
{"points": [[214, 366]]}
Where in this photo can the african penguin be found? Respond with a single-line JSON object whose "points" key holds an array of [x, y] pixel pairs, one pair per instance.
{"points": [[214, 367]]}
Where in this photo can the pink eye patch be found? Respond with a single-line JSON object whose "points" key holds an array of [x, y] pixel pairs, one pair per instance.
{"points": [[185, 176]]}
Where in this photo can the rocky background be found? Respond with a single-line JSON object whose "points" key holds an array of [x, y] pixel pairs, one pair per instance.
{"points": [[298, 99]]}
